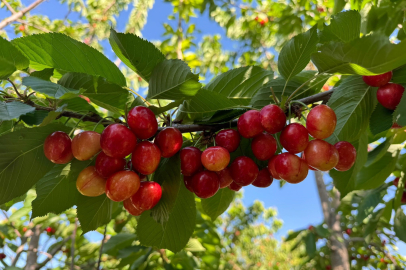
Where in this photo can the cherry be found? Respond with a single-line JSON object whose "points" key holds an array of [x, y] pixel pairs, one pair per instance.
{"points": [[348, 231], [229, 139], [215, 158], [225, 177], [25, 229], [249, 124], [188, 182], [142, 122], [396, 126], [190, 160], [321, 122], [396, 181], [58, 148], [271, 168], [273, 119], [147, 196], [294, 138], [50, 230], [106, 166], [234, 186], [169, 141], [310, 167], [85, 145], [378, 80], [244, 171], [389, 95], [347, 155], [117, 141], [21, 28], [328, 267], [311, 228], [122, 185], [2, 256], [146, 157], [263, 146], [90, 183], [205, 184], [130, 207], [264, 179], [291, 168], [403, 200], [321, 155]]}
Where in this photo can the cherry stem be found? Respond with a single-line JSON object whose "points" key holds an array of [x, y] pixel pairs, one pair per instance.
{"points": [[143, 99], [275, 97], [15, 89], [103, 120], [301, 103], [198, 141], [300, 87], [77, 124]]}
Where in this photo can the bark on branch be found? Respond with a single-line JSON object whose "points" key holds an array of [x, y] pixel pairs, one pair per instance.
{"points": [[19, 14]]}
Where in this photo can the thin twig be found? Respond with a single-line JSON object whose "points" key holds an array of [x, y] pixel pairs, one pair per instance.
{"points": [[72, 248], [143, 99], [15, 89], [101, 248], [52, 253], [19, 14], [8, 6]]}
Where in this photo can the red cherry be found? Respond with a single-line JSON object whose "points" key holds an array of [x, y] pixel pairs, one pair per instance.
{"points": [[142, 122], [395, 126], [389, 95], [117, 141], [263, 146], [85, 145], [244, 171], [122, 185], [190, 160], [147, 196], [25, 229], [90, 183], [271, 168], [348, 231], [294, 138], [58, 148], [264, 179], [234, 186], [310, 167], [291, 168], [129, 206], [273, 119], [378, 80], [188, 182], [106, 166], [396, 181], [321, 122], [347, 155], [21, 28], [249, 124], [215, 158], [205, 184], [169, 141], [146, 157], [403, 200], [48, 229], [229, 139], [321, 155], [225, 177], [311, 228]]}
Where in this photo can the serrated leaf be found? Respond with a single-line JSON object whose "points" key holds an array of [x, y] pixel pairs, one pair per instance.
{"points": [[173, 80], [370, 202], [344, 27], [399, 115], [295, 55], [218, 204], [381, 119], [13, 110], [49, 89], [194, 246], [118, 242], [399, 224], [6, 206], [138, 54], [208, 102], [55, 50], [26, 209], [34, 118], [11, 59], [22, 159]]}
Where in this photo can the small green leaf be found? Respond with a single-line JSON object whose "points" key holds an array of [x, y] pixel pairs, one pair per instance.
{"points": [[310, 242], [13, 110], [399, 116], [399, 224], [370, 202], [216, 205], [381, 119], [208, 102], [49, 89], [344, 27], [194, 246], [44, 74], [170, 106], [26, 209], [6, 206], [118, 242], [11, 59], [399, 192], [34, 118]]}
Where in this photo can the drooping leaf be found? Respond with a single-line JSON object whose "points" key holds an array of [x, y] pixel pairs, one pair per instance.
{"points": [[34, 118], [11, 59], [216, 205], [381, 119], [117, 242], [55, 50], [370, 202], [49, 89], [399, 115], [399, 224], [344, 27], [13, 110]]}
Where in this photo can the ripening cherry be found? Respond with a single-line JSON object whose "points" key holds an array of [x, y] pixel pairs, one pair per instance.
{"points": [[321, 122], [169, 141], [378, 80], [225, 177], [389, 95], [264, 146], [310, 167], [122, 185], [190, 160], [396, 181], [271, 168], [117, 141], [58, 148], [215, 158], [90, 183], [229, 139], [142, 122], [249, 124], [294, 138], [188, 182], [147, 196], [244, 171], [273, 119], [347, 155], [234, 186], [21, 28], [291, 168], [107, 166], [146, 157], [85, 145], [129, 206], [205, 184], [348, 231], [264, 179], [321, 155]]}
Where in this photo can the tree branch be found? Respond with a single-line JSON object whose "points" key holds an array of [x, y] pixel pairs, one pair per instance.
{"points": [[32, 254], [72, 249], [9, 7], [19, 14], [52, 253], [321, 188], [101, 248]]}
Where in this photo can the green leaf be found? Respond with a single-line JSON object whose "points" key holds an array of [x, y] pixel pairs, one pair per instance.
{"points": [[345, 26], [293, 235], [399, 115], [44, 74], [194, 246], [310, 242], [216, 205], [368, 55], [11, 59], [94, 212], [22, 159], [13, 110], [399, 75], [56, 191], [381, 120], [169, 235], [138, 54], [399, 192], [378, 152], [26, 209], [34, 118], [49, 89], [370, 202], [118, 242], [338, 6], [55, 50], [6, 206], [170, 106], [77, 104], [353, 102], [399, 224], [173, 80]]}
